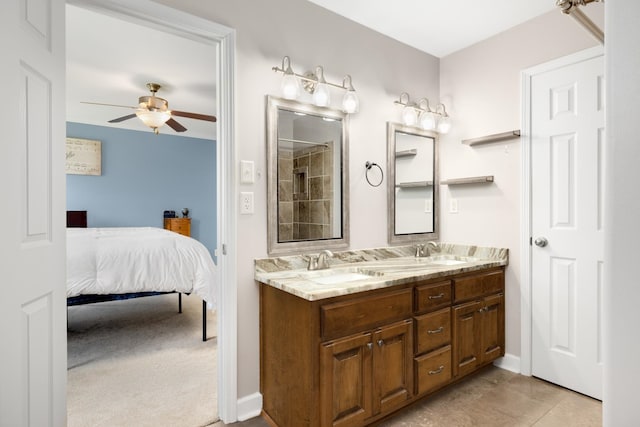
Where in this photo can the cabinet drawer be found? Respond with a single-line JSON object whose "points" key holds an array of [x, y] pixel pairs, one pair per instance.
{"points": [[433, 296], [433, 370], [433, 330], [347, 317], [476, 286]]}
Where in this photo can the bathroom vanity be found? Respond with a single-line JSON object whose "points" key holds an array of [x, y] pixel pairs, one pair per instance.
{"points": [[378, 330]]}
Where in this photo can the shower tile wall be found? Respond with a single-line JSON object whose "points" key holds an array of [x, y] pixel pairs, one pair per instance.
{"points": [[305, 187]]}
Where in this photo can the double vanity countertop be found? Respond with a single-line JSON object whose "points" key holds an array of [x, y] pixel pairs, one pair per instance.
{"points": [[367, 269]]}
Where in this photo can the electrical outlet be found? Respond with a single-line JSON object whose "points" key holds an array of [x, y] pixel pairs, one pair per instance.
{"points": [[246, 203], [246, 172], [453, 206]]}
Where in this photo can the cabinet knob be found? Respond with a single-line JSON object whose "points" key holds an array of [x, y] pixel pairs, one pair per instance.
{"points": [[380, 343], [369, 345]]}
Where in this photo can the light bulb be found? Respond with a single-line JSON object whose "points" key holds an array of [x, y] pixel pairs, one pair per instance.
{"points": [[321, 96], [350, 102], [409, 116], [427, 120], [290, 86], [444, 124]]}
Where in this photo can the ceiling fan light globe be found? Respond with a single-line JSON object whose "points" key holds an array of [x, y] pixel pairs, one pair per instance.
{"points": [[153, 119]]}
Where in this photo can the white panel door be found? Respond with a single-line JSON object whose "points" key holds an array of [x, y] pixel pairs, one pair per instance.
{"points": [[32, 221], [567, 157]]}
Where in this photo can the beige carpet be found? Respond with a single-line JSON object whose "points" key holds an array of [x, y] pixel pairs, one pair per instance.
{"points": [[141, 363]]}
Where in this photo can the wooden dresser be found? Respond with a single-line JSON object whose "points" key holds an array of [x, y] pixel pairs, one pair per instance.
{"points": [[178, 225]]}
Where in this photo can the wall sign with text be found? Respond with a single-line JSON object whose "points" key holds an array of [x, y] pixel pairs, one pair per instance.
{"points": [[83, 157]]}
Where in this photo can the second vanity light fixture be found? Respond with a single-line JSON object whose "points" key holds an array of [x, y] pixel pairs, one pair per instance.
{"points": [[317, 86], [420, 114]]}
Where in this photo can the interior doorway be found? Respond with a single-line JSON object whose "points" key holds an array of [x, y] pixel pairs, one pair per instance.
{"points": [[221, 40], [564, 236]]}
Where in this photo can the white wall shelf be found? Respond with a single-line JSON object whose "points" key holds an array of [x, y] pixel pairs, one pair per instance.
{"points": [[470, 180], [415, 184], [492, 138], [407, 153]]}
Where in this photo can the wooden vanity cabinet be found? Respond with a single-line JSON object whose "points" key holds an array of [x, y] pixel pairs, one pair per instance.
{"points": [[478, 324], [353, 360], [366, 375]]}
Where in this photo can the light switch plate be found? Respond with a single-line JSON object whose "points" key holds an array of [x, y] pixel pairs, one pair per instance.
{"points": [[453, 206], [246, 172]]}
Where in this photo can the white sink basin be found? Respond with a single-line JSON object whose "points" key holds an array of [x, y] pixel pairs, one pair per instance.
{"points": [[340, 278], [331, 277], [447, 261]]}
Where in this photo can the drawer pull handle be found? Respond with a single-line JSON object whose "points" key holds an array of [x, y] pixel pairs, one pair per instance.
{"points": [[440, 295], [437, 371], [436, 331], [380, 343]]}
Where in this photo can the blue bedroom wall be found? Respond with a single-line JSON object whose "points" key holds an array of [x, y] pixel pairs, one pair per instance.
{"points": [[143, 175]]}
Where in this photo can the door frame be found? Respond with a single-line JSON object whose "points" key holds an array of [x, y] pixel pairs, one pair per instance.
{"points": [[221, 38], [526, 313]]}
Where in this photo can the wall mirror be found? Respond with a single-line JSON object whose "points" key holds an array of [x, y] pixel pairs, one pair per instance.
{"points": [[412, 162], [307, 169]]}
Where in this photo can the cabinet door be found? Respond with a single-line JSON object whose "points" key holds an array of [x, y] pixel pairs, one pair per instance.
{"points": [[345, 381], [466, 337], [392, 366], [492, 326]]}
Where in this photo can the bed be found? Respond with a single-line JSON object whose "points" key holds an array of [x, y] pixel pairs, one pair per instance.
{"points": [[106, 264]]}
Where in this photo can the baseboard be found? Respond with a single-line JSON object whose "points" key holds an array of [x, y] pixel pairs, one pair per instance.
{"points": [[249, 406], [509, 362]]}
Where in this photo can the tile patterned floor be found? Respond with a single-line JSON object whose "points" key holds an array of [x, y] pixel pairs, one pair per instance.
{"points": [[493, 398]]}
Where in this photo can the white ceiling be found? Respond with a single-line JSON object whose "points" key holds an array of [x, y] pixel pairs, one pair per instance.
{"points": [[439, 27], [110, 61]]}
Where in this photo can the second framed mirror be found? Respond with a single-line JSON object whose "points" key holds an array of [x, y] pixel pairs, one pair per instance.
{"points": [[413, 189]]}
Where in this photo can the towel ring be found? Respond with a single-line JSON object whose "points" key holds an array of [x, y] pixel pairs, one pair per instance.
{"points": [[369, 165]]}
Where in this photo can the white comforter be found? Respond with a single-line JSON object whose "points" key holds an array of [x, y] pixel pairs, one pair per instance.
{"points": [[123, 260]]}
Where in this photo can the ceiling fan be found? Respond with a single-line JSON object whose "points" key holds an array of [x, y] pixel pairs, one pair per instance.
{"points": [[154, 112]]}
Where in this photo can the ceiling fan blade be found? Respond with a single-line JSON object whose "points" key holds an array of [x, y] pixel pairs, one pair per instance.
{"points": [[108, 105], [193, 115], [175, 125], [123, 118]]}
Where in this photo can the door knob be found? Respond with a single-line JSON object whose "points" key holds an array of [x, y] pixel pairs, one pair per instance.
{"points": [[541, 241]]}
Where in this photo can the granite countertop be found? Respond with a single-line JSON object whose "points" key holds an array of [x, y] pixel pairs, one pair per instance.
{"points": [[367, 269]]}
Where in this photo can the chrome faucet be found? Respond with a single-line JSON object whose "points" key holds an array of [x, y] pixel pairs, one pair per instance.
{"points": [[321, 261], [433, 247], [426, 249]]}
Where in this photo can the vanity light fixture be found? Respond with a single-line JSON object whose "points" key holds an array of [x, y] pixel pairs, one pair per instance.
{"points": [[315, 84], [420, 113], [290, 85]]}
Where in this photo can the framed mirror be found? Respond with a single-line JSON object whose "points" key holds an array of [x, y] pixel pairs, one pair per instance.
{"points": [[413, 184], [307, 177]]}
